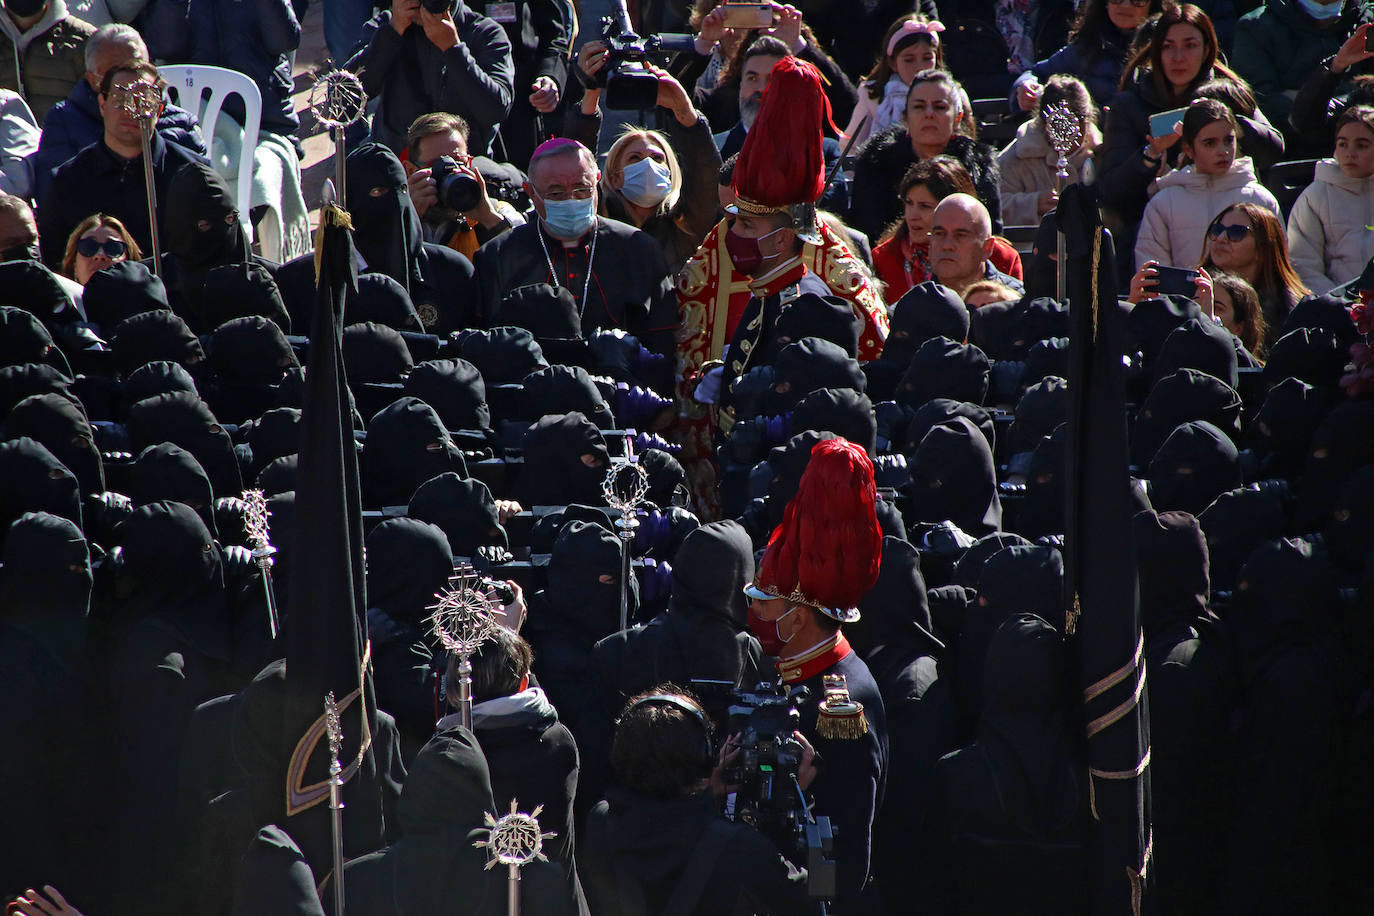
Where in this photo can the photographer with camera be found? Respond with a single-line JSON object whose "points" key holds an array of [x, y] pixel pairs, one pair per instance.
{"points": [[435, 56], [820, 562], [449, 189], [657, 843], [657, 181]]}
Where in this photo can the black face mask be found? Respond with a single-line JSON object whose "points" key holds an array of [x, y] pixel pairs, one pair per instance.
{"points": [[25, 8]]}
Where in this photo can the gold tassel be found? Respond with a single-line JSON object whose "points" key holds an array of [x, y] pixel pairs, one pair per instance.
{"points": [[847, 726], [839, 716]]}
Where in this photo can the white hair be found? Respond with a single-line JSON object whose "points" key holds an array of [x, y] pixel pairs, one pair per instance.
{"points": [[113, 32]]}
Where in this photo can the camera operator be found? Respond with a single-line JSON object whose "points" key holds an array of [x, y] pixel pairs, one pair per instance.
{"points": [[657, 844], [439, 56], [820, 562], [441, 134]]}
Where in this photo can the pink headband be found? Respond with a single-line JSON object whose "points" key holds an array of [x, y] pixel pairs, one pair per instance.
{"points": [[931, 29]]}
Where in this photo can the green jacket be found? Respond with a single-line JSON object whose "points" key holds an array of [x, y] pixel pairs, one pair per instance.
{"points": [[1278, 46], [44, 63]]}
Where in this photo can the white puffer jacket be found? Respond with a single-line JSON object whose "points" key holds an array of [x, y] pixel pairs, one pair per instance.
{"points": [[1184, 204], [1329, 236], [1027, 167]]}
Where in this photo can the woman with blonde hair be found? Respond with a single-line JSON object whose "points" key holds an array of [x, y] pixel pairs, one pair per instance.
{"points": [[96, 243], [643, 182]]}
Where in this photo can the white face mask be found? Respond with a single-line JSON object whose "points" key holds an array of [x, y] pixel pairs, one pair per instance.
{"points": [[647, 182]]}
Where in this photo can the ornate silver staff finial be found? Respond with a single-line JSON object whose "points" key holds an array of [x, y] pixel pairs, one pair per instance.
{"points": [[256, 521], [337, 100], [625, 486], [514, 841], [334, 727], [462, 619], [1064, 129], [143, 101]]}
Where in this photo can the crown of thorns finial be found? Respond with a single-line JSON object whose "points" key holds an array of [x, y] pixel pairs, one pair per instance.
{"points": [[337, 99], [333, 725], [461, 617], [515, 839]]}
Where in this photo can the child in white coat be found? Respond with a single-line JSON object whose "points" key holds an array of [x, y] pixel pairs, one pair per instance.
{"points": [[1174, 227], [1330, 238]]}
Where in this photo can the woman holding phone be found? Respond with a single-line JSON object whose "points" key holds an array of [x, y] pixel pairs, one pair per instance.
{"points": [[1158, 84]]}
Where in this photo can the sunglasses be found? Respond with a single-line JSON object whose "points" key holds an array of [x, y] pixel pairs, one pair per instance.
{"points": [[1138, 4], [113, 248], [1232, 233]]}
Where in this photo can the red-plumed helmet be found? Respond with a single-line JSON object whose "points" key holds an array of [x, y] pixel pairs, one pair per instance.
{"points": [[826, 552]]}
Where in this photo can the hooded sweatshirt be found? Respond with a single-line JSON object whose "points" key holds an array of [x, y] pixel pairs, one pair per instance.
{"points": [[1328, 231], [1175, 224]]}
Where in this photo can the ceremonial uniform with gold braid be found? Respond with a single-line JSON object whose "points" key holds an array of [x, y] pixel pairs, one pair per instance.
{"points": [[780, 170]]}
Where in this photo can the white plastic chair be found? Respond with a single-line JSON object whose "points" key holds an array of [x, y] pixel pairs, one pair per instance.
{"points": [[186, 85]]}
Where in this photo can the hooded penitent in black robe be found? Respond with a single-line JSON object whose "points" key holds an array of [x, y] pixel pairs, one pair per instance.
{"points": [[407, 444], [47, 780], [1281, 853], [60, 425], [565, 621], [1014, 801], [408, 562], [434, 868], [894, 637], [1188, 661], [554, 473], [386, 232], [953, 478], [702, 634]]}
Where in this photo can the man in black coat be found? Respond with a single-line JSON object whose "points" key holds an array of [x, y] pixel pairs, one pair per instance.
{"points": [[539, 33], [418, 61], [618, 274], [107, 176]]}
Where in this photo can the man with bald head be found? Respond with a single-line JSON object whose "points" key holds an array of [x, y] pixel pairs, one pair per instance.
{"points": [[961, 244], [75, 123], [617, 275]]}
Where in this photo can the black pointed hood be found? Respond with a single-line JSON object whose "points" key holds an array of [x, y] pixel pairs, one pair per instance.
{"points": [[710, 571], [1202, 344], [1195, 465], [183, 419], [926, 311], [1281, 430], [464, 509], [456, 391], [239, 290], [202, 221], [153, 336], [582, 554], [944, 368], [826, 317], [843, 411], [61, 426], [953, 478], [554, 473], [386, 227], [169, 472], [1171, 554], [407, 444], [1235, 524], [408, 561], [1188, 394], [121, 291], [46, 571], [895, 614]]}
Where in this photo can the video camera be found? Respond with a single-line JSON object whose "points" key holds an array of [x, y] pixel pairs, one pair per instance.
{"points": [[629, 84], [769, 797]]}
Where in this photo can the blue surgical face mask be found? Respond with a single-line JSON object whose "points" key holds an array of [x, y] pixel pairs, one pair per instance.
{"points": [[1323, 12], [569, 220], [647, 182]]}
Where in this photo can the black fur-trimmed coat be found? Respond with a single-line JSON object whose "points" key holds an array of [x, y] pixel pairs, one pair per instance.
{"points": [[885, 159]]}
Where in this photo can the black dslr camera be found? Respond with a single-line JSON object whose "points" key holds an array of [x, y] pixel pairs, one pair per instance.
{"points": [[629, 84], [458, 189], [769, 797]]}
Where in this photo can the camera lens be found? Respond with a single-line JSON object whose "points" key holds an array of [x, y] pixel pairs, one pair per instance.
{"points": [[458, 190]]}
